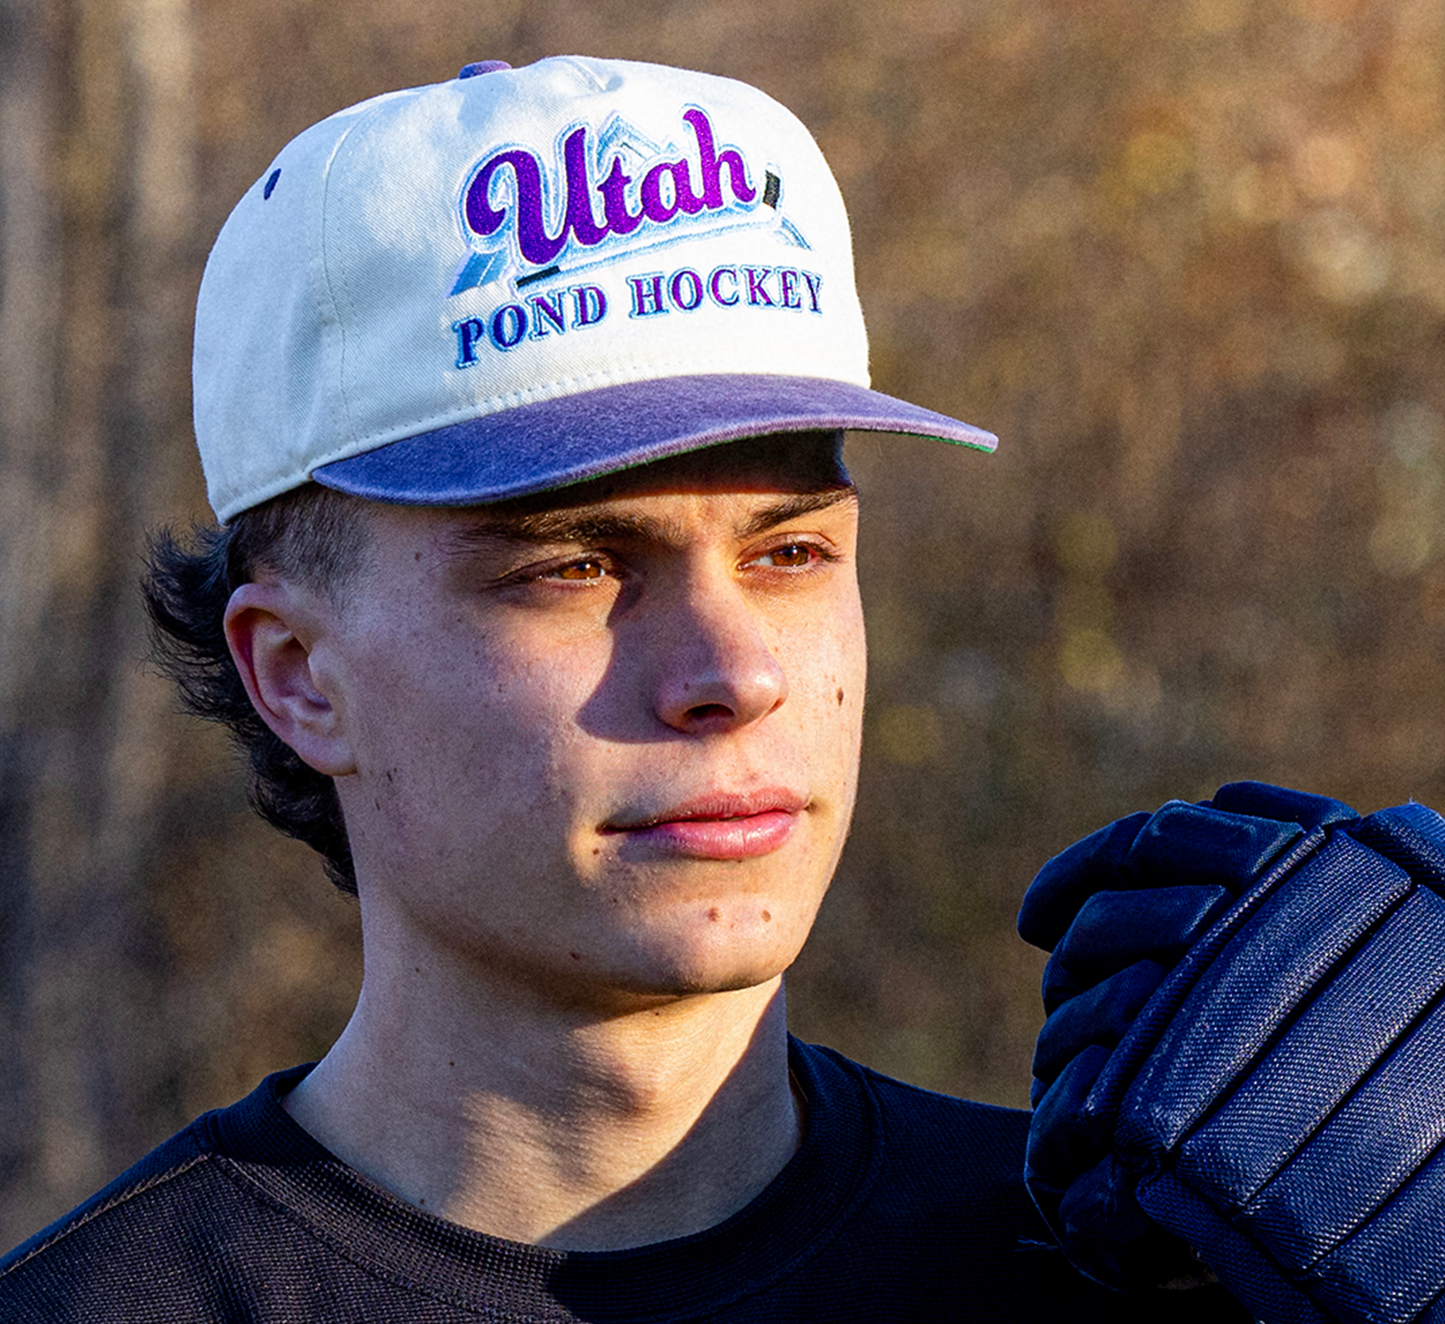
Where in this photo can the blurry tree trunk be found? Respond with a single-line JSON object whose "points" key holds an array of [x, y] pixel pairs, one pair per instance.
{"points": [[96, 168], [29, 265]]}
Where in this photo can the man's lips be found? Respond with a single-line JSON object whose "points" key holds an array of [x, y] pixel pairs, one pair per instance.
{"points": [[718, 826]]}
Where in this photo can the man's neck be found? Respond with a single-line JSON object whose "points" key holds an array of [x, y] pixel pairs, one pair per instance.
{"points": [[565, 1130]]}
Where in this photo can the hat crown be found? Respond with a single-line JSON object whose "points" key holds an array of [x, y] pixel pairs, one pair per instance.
{"points": [[451, 252]]}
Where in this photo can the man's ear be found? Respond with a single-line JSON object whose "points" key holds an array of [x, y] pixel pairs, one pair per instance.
{"points": [[273, 630]]}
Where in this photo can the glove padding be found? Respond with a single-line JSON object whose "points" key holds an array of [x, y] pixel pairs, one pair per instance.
{"points": [[1245, 1053]]}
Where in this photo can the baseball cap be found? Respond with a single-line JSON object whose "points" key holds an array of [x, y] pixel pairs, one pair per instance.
{"points": [[524, 278]]}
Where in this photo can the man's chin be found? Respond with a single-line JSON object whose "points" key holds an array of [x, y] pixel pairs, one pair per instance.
{"points": [[734, 948], [675, 976]]}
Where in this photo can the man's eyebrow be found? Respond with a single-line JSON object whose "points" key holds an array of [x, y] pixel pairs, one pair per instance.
{"points": [[794, 507], [584, 526], [552, 528]]}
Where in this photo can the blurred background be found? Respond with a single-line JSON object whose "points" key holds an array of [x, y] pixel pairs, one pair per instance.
{"points": [[1187, 257]]}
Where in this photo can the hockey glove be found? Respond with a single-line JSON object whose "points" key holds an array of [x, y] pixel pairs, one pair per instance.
{"points": [[1245, 1049]]}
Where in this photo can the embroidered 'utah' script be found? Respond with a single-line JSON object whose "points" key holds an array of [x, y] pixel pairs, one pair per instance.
{"points": [[579, 221]]}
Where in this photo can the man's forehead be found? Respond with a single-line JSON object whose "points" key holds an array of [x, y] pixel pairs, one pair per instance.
{"points": [[799, 462], [761, 482], [752, 485]]}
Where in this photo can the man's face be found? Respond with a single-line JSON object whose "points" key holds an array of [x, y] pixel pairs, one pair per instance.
{"points": [[605, 742]]}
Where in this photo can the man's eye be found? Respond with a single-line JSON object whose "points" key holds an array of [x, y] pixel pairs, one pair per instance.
{"points": [[791, 556], [591, 568]]}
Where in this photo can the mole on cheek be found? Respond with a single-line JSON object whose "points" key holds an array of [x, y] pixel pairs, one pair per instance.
{"points": [[840, 698]]}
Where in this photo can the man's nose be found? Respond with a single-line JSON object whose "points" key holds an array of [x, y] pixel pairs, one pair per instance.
{"points": [[717, 670]]}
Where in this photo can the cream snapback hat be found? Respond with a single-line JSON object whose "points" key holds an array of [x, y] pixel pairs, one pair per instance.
{"points": [[524, 278]]}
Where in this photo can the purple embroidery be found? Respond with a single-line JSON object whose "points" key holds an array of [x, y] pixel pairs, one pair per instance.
{"points": [[788, 289], [667, 190], [468, 331], [814, 283], [712, 165], [757, 292], [546, 310], [647, 300], [656, 293], [589, 305], [715, 280], [579, 200], [537, 246], [483, 67], [614, 200], [511, 323], [683, 198], [686, 289]]}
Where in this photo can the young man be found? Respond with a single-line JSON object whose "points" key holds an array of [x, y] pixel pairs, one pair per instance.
{"points": [[520, 400]]}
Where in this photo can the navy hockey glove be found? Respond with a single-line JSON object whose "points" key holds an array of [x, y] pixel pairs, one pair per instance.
{"points": [[1246, 1049]]}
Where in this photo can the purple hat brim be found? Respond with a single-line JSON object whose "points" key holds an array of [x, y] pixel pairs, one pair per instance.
{"points": [[553, 443]]}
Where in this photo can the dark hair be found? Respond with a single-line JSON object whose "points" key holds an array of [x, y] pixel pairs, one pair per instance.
{"points": [[312, 535]]}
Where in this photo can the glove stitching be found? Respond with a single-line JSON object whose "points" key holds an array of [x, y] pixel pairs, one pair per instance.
{"points": [[1101, 1105]]}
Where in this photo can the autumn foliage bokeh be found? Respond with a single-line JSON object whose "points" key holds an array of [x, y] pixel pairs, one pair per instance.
{"points": [[1186, 257]]}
